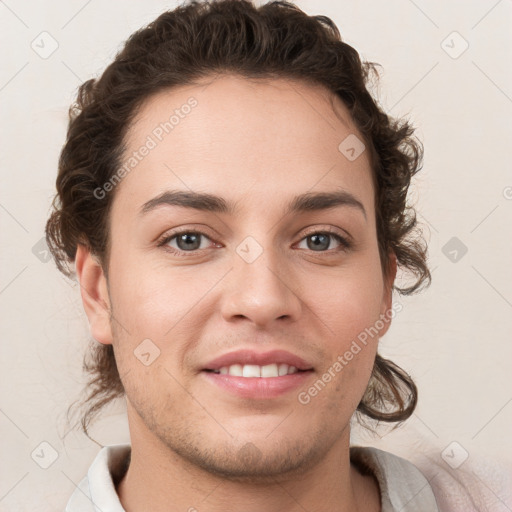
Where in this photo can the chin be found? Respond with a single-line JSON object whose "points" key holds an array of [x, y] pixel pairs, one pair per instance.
{"points": [[245, 459]]}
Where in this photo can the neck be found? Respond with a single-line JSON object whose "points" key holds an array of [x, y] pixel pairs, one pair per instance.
{"points": [[160, 480]]}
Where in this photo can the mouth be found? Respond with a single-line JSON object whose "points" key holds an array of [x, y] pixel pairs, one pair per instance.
{"points": [[250, 371], [254, 375]]}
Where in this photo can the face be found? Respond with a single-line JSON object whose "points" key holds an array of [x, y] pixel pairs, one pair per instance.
{"points": [[227, 311]]}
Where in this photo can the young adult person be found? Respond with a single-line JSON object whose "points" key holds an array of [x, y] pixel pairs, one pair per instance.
{"points": [[233, 203]]}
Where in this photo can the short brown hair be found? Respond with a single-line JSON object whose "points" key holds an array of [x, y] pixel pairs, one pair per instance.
{"points": [[197, 40]]}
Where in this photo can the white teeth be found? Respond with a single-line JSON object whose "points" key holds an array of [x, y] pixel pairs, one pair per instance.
{"points": [[283, 369], [236, 370], [253, 370], [270, 370]]}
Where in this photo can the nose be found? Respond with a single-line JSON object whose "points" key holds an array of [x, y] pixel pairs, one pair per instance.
{"points": [[261, 291]]}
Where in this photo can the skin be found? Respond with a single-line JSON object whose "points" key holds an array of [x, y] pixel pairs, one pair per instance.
{"points": [[257, 143]]}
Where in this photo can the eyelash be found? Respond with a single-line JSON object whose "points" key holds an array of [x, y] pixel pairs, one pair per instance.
{"points": [[345, 245]]}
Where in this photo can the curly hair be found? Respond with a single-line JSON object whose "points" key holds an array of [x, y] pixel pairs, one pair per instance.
{"points": [[183, 46]]}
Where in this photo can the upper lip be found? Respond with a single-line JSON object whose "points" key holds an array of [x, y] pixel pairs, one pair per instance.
{"points": [[258, 358]]}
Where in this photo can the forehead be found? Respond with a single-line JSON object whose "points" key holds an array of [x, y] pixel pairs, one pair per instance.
{"points": [[230, 134]]}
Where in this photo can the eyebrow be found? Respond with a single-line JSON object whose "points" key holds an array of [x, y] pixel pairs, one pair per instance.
{"points": [[307, 202]]}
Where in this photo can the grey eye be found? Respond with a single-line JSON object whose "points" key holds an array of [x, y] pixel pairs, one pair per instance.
{"points": [[320, 242], [187, 241]]}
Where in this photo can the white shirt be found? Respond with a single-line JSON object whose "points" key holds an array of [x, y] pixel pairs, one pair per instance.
{"points": [[403, 487]]}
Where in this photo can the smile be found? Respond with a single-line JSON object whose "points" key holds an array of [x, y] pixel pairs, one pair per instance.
{"points": [[254, 370]]}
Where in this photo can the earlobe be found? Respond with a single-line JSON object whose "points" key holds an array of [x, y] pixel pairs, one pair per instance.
{"points": [[94, 292]]}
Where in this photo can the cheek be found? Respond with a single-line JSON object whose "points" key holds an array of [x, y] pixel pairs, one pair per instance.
{"points": [[147, 302], [350, 306], [350, 349], [348, 303], [166, 308]]}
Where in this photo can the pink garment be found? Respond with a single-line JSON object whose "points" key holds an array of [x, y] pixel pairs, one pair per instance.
{"points": [[476, 486]]}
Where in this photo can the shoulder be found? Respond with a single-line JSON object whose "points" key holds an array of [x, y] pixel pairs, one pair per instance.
{"points": [[478, 485], [402, 485], [97, 490], [475, 486]]}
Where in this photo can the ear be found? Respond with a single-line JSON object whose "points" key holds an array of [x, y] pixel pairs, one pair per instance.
{"points": [[387, 297], [93, 288]]}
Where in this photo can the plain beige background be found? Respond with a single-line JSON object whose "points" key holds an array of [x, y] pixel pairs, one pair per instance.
{"points": [[446, 65]]}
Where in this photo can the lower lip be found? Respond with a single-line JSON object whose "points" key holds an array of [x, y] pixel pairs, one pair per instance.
{"points": [[258, 387]]}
